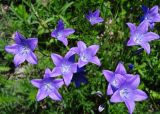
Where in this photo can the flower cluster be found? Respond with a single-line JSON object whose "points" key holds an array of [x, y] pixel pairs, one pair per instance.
{"points": [[140, 35], [123, 87], [64, 66]]}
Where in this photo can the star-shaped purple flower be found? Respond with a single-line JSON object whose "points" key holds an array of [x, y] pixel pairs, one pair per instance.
{"points": [[79, 77], [115, 79], [86, 55], [151, 15], [129, 93], [64, 66], [48, 86], [93, 17], [23, 49], [61, 33], [141, 36]]}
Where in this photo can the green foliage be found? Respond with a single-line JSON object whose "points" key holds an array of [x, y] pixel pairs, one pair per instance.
{"points": [[38, 19]]}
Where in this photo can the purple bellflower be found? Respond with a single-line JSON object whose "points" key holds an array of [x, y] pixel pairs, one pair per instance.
{"points": [[23, 49], [140, 36], [115, 79], [128, 93], [150, 15], [79, 77], [86, 54], [61, 33], [48, 86], [64, 66], [93, 17]]}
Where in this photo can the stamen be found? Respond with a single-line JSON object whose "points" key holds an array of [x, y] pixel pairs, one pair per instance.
{"points": [[24, 50], [138, 38], [84, 57], [65, 68], [125, 93]]}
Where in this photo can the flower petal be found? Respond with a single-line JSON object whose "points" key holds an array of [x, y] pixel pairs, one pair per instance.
{"points": [[143, 27], [63, 40], [57, 59], [58, 83], [48, 73], [56, 72], [41, 94], [96, 13], [132, 27], [156, 18], [55, 95], [32, 43], [81, 63], [81, 45], [70, 57], [74, 50], [146, 47], [131, 42], [74, 68], [108, 75], [149, 36], [14, 48], [93, 49], [68, 31], [139, 95], [95, 60], [145, 9], [109, 90], [153, 10], [134, 81], [98, 20], [54, 33], [36, 82], [18, 59], [60, 25], [67, 78], [130, 105], [151, 25], [120, 69], [31, 58], [19, 39], [116, 97]]}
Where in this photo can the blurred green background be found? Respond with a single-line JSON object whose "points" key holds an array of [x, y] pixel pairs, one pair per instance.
{"points": [[37, 18]]}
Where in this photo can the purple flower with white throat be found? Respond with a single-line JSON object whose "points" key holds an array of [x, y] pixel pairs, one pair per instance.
{"points": [[86, 55], [93, 17], [128, 93], [61, 33], [150, 15], [23, 49], [115, 79], [141, 36], [48, 86], [64, 66]]}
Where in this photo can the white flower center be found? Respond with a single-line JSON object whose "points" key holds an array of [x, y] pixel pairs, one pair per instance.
{"points": [[115, 83], [59, 35], [138, 38], [84, 57], [24, 50], [48, 87], [65, 68], [125, 93]]}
